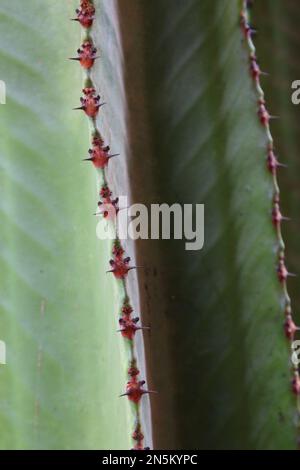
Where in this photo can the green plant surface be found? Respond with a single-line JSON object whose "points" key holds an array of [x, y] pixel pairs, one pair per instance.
{"points": [[182, 112], [277, 24], [66, 365], [216, 314]]}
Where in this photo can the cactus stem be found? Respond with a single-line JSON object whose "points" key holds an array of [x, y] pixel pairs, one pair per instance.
{"points": [[272, 164]]}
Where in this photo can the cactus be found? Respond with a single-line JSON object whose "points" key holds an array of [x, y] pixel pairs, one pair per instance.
{"points": [[186, 118]]}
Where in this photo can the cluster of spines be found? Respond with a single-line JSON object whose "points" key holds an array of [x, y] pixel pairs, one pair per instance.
{"points": [[108, 207], [135, 387], [134, 391], [90, 102], [85, 14], [138, 438], [272, 165], [129, 324], [87, 54], [99, 154]]}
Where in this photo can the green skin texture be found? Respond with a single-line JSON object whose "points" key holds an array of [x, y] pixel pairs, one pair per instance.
{"points": [[229, 386], [66, 364], [222, 315], [278, 25]]}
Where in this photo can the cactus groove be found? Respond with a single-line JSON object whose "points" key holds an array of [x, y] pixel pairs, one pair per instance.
{"points": [[90, 104]]}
